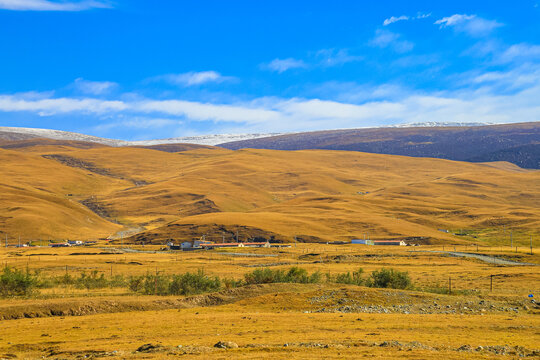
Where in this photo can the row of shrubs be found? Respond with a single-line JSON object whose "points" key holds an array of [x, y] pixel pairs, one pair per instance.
{"points": [[16, 282], [383, 278]]}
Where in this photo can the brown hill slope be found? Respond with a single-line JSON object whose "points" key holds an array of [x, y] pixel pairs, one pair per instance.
{"points": [[515, 143], [35, 142], [313, 195]]}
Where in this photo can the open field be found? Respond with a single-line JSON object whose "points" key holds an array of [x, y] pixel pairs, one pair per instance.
{"points": [[111, 298], [277, 320]]}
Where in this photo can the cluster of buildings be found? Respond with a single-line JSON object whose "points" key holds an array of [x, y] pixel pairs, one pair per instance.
{"points": [[70, 243], [207, 245], [379, 242]]}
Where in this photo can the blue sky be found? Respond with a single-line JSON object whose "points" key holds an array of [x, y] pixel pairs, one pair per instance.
{"points": [[155, 69]]}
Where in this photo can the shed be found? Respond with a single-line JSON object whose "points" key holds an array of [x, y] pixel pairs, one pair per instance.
{"points": [[362, 241], [390, 242]]}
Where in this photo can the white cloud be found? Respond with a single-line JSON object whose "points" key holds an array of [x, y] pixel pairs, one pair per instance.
{"points": [[336, 57], [522, 77], [193, 78], [323, 58], [137, 122], [46, 5], [496, 97], [470, 24], [53, 106], [205, 111], [394, 19], [387, 39], [94, 87], [282, 65], [522, 52]]}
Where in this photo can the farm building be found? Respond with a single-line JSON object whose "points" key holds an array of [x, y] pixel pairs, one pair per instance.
{"points": [[378, 242], [59, 245], [362, 242], [390, 242], [231, 245]]}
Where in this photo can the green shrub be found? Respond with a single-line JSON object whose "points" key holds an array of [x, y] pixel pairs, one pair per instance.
{"points": [[92, 281], [264, 276], [353, 279], [183, 284], [136, 283], [389, 278], [15, 282], [155, 285], [232, 283], [198, 283], [293, 275]]}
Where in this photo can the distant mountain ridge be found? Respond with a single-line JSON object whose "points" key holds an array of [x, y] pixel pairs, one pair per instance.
{"points": [[16, 133], [516, 143], [476, 142]]}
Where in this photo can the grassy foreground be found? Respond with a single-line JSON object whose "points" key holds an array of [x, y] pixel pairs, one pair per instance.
{"points": [[257, 319]]}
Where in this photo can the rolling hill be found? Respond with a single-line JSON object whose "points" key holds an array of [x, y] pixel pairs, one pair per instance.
{"points": [[515, 143], [67, 190]]}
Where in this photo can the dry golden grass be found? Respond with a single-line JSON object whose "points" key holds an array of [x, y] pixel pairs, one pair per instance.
{"points": [[314, 195], [261, 319]]}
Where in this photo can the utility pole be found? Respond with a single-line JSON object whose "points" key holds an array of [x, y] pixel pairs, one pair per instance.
{"points": [[531, 244], [511, 239], [19, 240]]}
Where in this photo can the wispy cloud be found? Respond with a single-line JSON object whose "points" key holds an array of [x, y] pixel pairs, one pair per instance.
{"points": [[323, 58], [335, 57], [53, 106], [496, 97], [394, 19], [46, 5], [521, 52], [192, 78], [282, 65], [206, 111], [94, 87], [387, 39], [470, 24], [138, 122]]}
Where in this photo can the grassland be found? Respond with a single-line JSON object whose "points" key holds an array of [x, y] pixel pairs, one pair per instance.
{"points": [[456, 307], [275, 320], [316, 196]]}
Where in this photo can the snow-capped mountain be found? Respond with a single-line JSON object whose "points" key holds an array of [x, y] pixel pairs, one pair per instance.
{"points": [[205, 139], [27, 133], [439, 124]]}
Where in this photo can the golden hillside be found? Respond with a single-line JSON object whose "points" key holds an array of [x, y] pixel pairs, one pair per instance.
{"points": [[67, 190]]}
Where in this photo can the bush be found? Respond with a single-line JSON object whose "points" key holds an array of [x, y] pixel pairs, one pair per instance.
{"points": [[188, 283], [92, 281], [264, 276], [232, 283], [293, 275], [15, 282], [389, 278], [155, 284], [353, 279], [184, 284]]}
